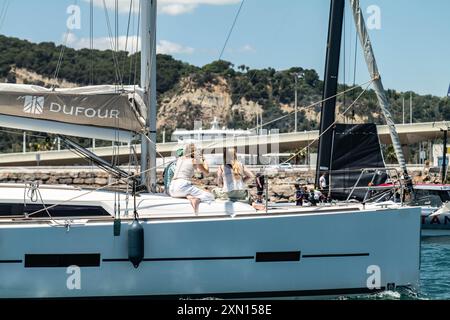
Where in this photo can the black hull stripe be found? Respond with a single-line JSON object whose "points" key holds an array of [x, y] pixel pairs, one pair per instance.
{"points": [[278, 256], [184, 259], [10, 261], [260, 257], [62, 260], [240, 295], [310, 256]]}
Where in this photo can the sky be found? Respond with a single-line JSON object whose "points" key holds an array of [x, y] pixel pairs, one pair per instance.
{"points": [[410, 37]]}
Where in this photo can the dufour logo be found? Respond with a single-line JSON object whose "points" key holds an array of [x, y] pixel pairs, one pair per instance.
{"points": [[34, 105]]}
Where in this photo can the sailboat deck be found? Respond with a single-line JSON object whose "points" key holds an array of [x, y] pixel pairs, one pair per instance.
{"points": [[106, 203]]}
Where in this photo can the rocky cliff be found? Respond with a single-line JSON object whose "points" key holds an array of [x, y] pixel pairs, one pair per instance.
{"points": [[190, 103]]}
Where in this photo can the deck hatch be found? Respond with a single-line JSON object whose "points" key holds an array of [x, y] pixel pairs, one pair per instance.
{"points": [[60, 211]]}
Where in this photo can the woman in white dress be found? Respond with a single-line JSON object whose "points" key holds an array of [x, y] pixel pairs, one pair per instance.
{"points": [[181, 185]]}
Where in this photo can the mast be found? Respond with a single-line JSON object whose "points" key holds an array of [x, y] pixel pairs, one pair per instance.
{"points": [[148, 83], [328, 114], [378, 84]]}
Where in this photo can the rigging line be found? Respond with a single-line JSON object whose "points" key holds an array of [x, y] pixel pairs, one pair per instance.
{"points": [[154, 146], [137, 47], [356, 57], [126, 39], [116, 17], [352, 51], [35, 188], [252, 77], [114, 162], [133, 52], [111, 42], [116, 27], [61, 53], [3, 9], [60, 59], [91, 40], [138, 174], [310, 106], [231, 29], [4, 12], [314, 104], [345, 56], [330, 127], [228, 39]]}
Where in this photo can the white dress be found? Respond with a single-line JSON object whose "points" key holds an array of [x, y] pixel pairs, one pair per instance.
{"points": [[181, 185]]}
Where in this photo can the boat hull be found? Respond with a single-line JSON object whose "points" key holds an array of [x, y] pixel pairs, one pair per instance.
{"points": [[436, 226], [310, 255]]}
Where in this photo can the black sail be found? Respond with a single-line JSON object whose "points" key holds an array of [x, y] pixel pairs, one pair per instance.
{"points": [[355, 147]]}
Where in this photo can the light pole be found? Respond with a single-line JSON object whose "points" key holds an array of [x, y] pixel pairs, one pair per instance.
{"points": [[297, 75], [296, 102], [444, 158], [24, 140], [403, 110], [444, 129], [411, 108]]}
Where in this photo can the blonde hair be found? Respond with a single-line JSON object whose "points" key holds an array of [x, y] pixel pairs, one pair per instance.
{"points": [[189, 150], [230, 158]]}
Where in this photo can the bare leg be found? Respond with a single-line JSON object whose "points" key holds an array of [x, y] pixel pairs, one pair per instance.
{"points": [[195, 203], [259, 206]]}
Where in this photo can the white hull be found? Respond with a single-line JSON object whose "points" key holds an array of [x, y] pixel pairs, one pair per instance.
{"points": [[328, 254], [432, 225]]}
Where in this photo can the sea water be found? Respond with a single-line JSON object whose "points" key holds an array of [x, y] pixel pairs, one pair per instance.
{"points": [[435, 269], [434, 274]]}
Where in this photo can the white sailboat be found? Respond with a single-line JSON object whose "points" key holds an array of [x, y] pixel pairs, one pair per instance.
{"points": [[157, 247]]}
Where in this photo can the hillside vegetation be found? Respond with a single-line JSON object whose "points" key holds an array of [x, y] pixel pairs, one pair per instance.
{"points": [[186, 93]]}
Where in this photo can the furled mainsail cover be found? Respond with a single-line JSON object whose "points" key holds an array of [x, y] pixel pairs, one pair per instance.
{"points": [[99, 106], [355, 147]]}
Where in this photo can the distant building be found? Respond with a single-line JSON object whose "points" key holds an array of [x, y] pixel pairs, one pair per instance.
{"points": [[214, 133], [438, 155]]}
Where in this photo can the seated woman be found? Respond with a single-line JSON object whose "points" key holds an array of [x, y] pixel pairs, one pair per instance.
{"points": [[231, 177], [181, 185]]}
